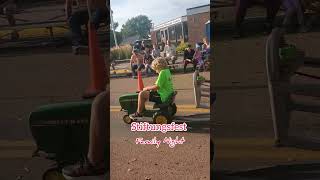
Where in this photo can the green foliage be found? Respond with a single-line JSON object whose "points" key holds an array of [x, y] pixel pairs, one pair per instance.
{"points": [[288, 53], [139, 25], [123, 52], [182, 46]]}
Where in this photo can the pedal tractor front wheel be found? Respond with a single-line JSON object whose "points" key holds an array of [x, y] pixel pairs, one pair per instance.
{"points": [[53, 174], [127, 119], [161, 118]]}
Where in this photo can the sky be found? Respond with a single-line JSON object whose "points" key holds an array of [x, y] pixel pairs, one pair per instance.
{"points": [[158, 11]]}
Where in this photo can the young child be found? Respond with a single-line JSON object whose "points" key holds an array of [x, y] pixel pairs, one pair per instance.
{"points": [[160, 91], [198, 57], [136, 62]]}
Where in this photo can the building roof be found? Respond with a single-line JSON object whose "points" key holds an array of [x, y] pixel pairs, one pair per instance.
{"points": [[170, 23], [198, 10]]}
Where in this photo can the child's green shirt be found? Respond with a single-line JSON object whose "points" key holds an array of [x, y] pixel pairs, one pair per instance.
{"points": [[164, 82]]}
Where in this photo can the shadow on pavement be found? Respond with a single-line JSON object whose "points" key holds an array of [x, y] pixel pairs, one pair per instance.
{"points": [[301, 143], [37, 49], [198, 123], [291, 171]]}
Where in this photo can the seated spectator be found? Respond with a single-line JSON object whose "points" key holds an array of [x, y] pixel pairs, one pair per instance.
{"points": [[78, 15], [155, 52], [143, 46], [241, 10], [9, 10], [198, 57], [162, 45], [312, 6], [293, 7], [188, 58], [170, 52], [136, 62], [148, 60], [206, 45]]}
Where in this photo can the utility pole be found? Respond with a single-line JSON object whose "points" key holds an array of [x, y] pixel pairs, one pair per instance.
{"points": [[112, 26]]}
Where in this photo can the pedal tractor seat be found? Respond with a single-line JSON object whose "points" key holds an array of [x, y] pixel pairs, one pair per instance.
{"points": [[166, 104]]}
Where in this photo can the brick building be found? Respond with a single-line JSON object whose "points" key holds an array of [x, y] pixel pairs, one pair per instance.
{"points": [[190, 28], [197, 18], [175, 30]]}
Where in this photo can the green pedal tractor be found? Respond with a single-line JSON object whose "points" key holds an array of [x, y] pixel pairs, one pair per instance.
{"points": [[61, 133], [161, 113]]}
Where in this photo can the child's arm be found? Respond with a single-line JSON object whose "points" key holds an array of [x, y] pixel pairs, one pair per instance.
{"points": [[131, 60]]}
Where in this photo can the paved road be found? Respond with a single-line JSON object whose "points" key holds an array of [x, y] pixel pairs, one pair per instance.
{"points": [[243, 129], [132, 161]]}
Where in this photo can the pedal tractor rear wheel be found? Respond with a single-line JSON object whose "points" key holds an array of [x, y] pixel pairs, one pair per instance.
{"points": [[173, 109], [127, 119], [161, 118], [53, 174]]}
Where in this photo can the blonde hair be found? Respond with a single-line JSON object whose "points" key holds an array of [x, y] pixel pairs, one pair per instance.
{"points": [[159, 64]]}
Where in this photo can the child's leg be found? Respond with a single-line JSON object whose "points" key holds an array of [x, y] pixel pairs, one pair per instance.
{"points": [[76, 20], [98, 129], [241, 10], [185, 62], [142, 99], [273, 7], [300, 13], [290, 12], [133, 69], [194, 62]]}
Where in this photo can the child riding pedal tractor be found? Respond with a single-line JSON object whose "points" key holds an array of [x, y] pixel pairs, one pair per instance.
{"points": [[162, 93]]}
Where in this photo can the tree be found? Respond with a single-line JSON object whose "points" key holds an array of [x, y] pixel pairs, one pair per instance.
{"points": [[139, 25], [115, 25]]}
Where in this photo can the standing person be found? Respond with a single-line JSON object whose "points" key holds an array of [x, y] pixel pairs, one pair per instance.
{"points": [[95, 163], [77, 15], [293, 7], [171, 53], [155, 52], [272, 7], [136, 62], [188, 58]]}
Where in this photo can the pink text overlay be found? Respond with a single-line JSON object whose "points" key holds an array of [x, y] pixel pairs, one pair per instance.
{"points": [[172, 142], [144, 126]]}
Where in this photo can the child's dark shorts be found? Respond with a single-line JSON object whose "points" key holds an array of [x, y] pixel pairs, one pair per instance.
{"points": [[155, 97]]}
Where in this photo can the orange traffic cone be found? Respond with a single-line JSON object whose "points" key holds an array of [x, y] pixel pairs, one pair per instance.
{"points": [[98, 74], [140, 82]]}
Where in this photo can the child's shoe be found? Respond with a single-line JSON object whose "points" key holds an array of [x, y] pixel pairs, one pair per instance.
{"points": [[136, 116]]}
